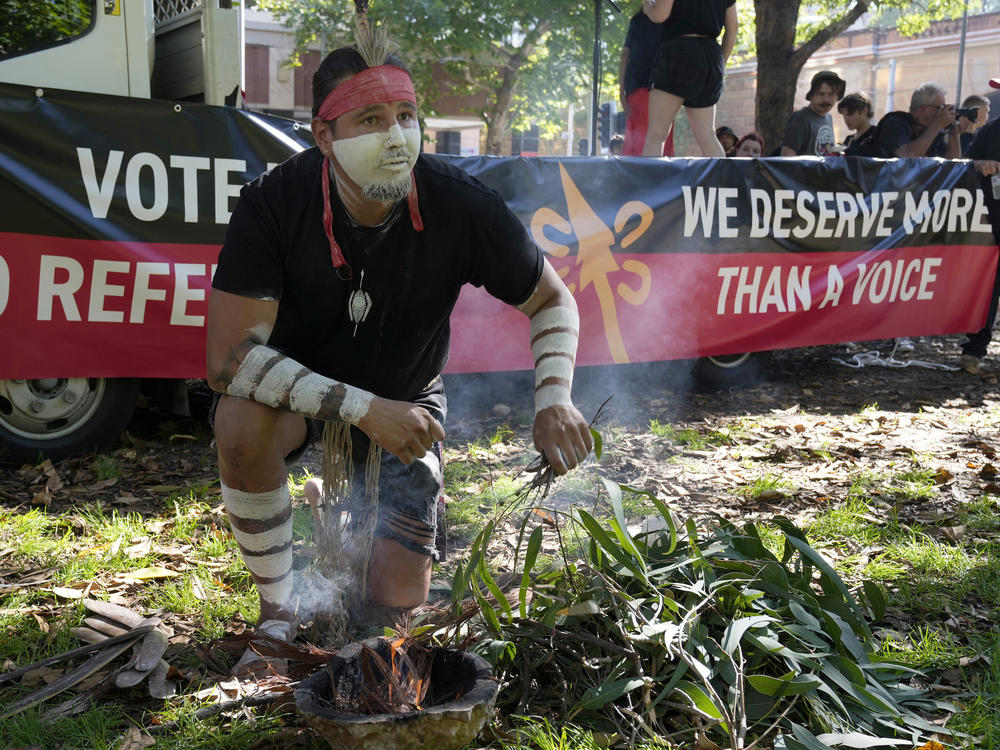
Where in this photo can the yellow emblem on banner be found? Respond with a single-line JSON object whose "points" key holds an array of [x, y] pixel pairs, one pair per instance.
{"points": [[594, 258]]}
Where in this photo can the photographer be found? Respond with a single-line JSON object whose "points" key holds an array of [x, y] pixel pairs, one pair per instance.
{"points": [[926, 130]]}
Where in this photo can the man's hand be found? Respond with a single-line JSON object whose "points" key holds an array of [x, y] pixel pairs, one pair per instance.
{"points": [[987, 167], [944, 117], [562, 435], [406, 430]]}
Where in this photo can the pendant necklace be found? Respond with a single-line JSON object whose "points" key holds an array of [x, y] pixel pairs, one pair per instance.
{"points": [[359, 304]]}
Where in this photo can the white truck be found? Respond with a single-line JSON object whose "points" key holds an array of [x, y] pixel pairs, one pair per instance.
{"points": [[118, 136]]}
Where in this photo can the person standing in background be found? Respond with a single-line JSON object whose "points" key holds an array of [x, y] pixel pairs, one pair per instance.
{"points": [[857, 111], [750, 146], [809, 131], [635, 66], [985, 153], [689, 68], [967, 128], [926, 130], [728, 138]]}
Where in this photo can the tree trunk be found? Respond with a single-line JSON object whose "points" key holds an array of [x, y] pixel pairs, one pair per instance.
{"points": [[776, 74], [499, 118], [779, 61]]}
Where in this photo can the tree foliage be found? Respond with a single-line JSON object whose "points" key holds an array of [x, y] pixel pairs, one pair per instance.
{"points": [[29, 24], [525, 62], [520, 61]]}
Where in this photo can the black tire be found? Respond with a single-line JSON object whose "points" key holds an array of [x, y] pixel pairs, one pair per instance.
{"points": [[731, 370], [60, 417]]}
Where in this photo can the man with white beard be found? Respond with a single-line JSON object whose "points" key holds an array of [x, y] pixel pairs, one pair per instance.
{"points": [[331, 304]]}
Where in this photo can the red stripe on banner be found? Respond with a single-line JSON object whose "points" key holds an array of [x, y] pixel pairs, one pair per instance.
{"points": [[89, 308], [673, 306]]}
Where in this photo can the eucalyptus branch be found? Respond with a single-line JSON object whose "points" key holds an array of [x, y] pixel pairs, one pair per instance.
{"points": [[774, 724]]}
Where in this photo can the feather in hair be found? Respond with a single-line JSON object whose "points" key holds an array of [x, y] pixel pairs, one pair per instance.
{"points": [[371, 40]]}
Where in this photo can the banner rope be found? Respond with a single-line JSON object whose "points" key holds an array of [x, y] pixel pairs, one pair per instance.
{"points": [[874, 358]]}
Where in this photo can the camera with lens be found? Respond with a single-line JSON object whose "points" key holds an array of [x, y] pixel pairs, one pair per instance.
{"points": [[969, 113]]}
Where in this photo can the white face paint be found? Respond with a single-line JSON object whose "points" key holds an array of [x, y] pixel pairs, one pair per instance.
{"points": [[380, 163]]}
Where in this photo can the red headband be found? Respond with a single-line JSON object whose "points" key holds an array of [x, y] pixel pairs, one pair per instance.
{"points": [[385, 83]]}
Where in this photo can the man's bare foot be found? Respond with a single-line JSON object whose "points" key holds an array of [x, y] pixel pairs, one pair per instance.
{"points": [[270, 612], [258, 665], [313, 490]]}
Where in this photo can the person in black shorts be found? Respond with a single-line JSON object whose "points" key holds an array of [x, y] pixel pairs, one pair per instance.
{"points": [[689, 68], [331, 302]]}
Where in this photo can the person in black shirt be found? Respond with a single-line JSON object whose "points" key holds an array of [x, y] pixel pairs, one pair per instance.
{"points": [[926, 130], [985, 153], [331, 302], [635, 66], [689, 68], [857, 111], [727, 139]]}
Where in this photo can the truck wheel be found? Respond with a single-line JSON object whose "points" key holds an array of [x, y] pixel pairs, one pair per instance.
{"points": [[60, 417], [731, 370]]}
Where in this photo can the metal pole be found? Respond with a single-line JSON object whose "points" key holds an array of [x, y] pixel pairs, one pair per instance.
{"points": [[961, 53], [597, 77], [243, 52], [890, 94], [569, 130]]}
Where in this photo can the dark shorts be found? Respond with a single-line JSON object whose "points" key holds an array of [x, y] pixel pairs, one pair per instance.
{"points": [[408, 494], [691, 68]]}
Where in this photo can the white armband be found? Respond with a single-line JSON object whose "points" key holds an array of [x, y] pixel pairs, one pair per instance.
{"points": [[555, 332], [273, 379]]}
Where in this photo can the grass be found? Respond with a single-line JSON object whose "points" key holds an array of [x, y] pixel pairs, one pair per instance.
{"points": [[96, 729], [981, 708], [765, 483], [688, 437], [931, 581], [477, 483], [105, 468], [928, 578]]}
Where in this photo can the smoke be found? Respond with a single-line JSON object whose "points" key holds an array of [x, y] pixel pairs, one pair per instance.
{"points": [[639, 392], [319, 597]]}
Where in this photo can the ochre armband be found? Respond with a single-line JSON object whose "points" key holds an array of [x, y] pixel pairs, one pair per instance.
{"points": [[554, 335], [271, 378]]}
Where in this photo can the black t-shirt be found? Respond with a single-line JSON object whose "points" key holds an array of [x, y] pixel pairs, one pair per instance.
{"points": [[863, 145], [642, 40], [703, 17], [897, 129], [275, 248], [986, 145]]}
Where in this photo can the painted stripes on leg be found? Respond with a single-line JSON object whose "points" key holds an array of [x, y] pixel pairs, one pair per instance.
{"points": [[262, 525]]}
